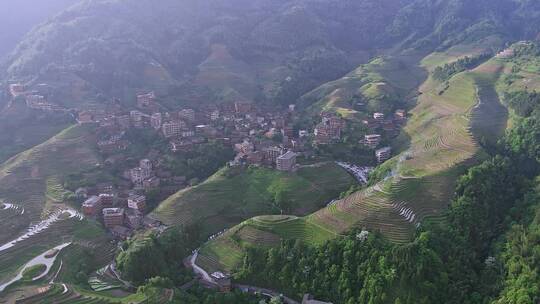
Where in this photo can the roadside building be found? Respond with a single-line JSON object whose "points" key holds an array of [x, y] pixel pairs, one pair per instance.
{"points": [[383, 154], [92, 206], [286, 162], [113, 217]]}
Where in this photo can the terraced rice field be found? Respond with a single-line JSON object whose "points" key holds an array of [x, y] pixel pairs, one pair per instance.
{"points": [[58, 294], [444, 133], [224, 200], [31, 181]]}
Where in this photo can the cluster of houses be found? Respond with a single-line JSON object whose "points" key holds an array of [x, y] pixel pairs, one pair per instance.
{"points": [[35, 99], [122, 212], [380, 122]]}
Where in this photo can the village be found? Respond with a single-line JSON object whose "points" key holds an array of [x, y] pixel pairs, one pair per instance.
{"points": [[259, 136]]}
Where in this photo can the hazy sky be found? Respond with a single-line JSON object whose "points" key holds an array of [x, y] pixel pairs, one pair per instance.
{"points": [[17, 17]]}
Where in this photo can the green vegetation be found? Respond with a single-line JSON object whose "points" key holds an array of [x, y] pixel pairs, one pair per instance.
{"points": [[235, 194], [443, 73], [33, 271], [150, 256]]}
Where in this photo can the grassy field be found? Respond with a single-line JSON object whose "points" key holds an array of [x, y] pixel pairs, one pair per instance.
{"points": [[235, 194], [442, 139]]}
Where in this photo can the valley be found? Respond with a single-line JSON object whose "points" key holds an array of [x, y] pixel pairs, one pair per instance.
{"points": [[288, 151]]}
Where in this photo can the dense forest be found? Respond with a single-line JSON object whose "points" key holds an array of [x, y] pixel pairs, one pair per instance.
{"points": [[488, 252]]}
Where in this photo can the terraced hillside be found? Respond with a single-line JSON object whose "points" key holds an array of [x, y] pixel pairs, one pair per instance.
{"points": [[442, 140], [233, 195], [383, 83], [33, 214], [61, 293]]}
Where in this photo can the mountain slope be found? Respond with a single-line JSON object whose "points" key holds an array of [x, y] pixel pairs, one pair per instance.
{"points": [[262, 50], [21, 16]]}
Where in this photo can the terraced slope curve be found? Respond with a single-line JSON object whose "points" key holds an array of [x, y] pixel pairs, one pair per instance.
{"points": [[30, 185]]}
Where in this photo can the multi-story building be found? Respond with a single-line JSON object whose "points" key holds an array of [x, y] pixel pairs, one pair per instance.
{"points": [[242, 107], [244, 147], [378, 116], [138, 175], [85, 117], [137, 202], [372, 140], [146, 165], [288, 131], [113, 217], [136, 118], [172, 128], [271, 154], [286, 162], [151, 183], [145, 101], [187, 133], [255, 158], [16, 89], [383, 154], [123, 121], [156, 120], [187, 114], [107, 200], [214, 115], [92, 206]]}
